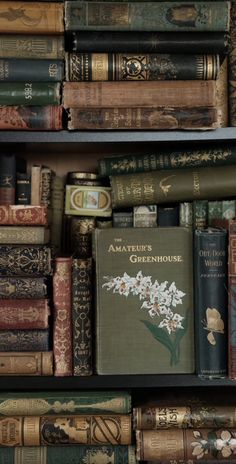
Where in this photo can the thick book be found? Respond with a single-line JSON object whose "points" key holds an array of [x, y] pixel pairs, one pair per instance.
{"points": [[160, 118], [24, 340], [142, 67], [31, 17], [172, 186], [231, 299], [23, 287], [26, 363], [24, 314], [23, 215], [34, 118], [146, 42], [144, 307], [211, 302], [32, 46], [182, 94], [25, 260], [62, 323], [29, 93], [117, 454], [147, 16], [104, 429], [64, 402], [33, 70], [24, 234], [187, 446], [10, 164]]}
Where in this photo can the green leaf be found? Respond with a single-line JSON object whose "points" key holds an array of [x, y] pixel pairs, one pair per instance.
{"points": [[161, 336], [179, 335]]}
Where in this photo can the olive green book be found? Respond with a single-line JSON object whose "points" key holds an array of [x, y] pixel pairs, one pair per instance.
{"points": [[144, 307]]}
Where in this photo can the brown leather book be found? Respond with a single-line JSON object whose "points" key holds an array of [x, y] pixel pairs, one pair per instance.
{"points": [[26, 363], [24, 314], [27, 215]]}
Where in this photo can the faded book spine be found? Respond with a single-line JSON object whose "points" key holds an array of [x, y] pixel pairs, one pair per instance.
{"points": [[62, 326], [24, 234], [211, 302], [31, 117], [118, 454], [26, 363], [183, 445], [82, 315], [24, 314], [29, 93], [7, 179], [27, 215], [142, 67], [32, 46], [167, 186], [182, 94], [20, 260], [24, 340], [66, 430], [143, 118], [42, 70], [147, 16], [31, 18], [23, 287], [232, 67], [232, 299], [147, 42]]}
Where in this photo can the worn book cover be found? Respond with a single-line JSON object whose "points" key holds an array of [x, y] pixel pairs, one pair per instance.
{"points": [[23, 287], [32, 235], [26, 363], [23, 215], [144, 306], [24, 340]]}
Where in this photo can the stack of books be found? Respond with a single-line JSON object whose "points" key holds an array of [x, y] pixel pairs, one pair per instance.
{"points": [[146, 65], [31, 65]]}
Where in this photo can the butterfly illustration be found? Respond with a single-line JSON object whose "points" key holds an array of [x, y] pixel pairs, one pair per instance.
{"points": [[213, 323]]}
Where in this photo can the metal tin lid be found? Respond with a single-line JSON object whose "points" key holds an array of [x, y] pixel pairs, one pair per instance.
{"points": [[82, 175]]}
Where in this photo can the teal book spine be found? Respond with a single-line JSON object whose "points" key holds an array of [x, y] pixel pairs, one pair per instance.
{"points": [[29, 93], [147, 16], [22, 70]]}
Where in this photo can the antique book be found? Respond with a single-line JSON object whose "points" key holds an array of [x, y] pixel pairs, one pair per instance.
{"points": [[232, 67], [147, 42], [142, 67], [222, 94], [114, 429], [62, 325], [144, 308], [24, 234], [172, 186], [24, 313], [145, 216], [147, 16], [23, 188], [10, 164], [64, 402], [117, 454], [31, 18], [159, 118], [29, 93], [180, 94], [26, 363], [211, 302], [122, 219], [80, 236], [36, 185], [185, 445], [82, 316], [23, 215], [168, 216], [29, 46], [186, 214], [200, 214], [23, 287], [24, 340], [231, 299], [214, 210], [47, 117], [38, 70], [46, 176], [57, 210], [25, 260]]}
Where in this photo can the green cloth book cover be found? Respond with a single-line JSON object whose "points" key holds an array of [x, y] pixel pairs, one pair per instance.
{"points": [[144, 301]]}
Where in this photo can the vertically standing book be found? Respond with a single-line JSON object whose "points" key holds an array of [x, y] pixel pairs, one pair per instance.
{"points": [[232, 299]]}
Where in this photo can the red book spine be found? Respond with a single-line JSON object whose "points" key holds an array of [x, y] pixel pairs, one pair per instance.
{"points": [[24, 314], [232, 300], [31, 117], [62, 329], [23, 215]]}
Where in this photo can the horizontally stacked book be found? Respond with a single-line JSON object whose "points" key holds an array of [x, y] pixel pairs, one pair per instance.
{"points": [[166, 62], [31, 65]]}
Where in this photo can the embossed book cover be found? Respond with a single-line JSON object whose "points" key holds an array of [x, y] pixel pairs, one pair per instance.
{"points": [[144, 306]]}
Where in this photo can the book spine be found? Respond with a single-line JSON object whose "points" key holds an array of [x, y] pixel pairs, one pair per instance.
{"points": [[23, 188], [145, 216], [231, 299], [200, 214], [186, 214], [32, 46], [57, 210], [23, 287], [43, 70], [168, 216], [143, 118], [30, 18], [81, 229], [23, 215], [211, 302], [147, 42], [19, 260], [177, 159], [214, 210], [90, 429], [24, 340], [118, 454], [36, 185], [144, 67], [222, 94], [232, 67], [29, 93], [31, 235], [7, 179], [62, 327], [166, 186], [24, 314], [178, 445], [147, 16], [122, 219], [82, 315], [180, 94], [26, 363], [31, 117], [46, 175]]}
